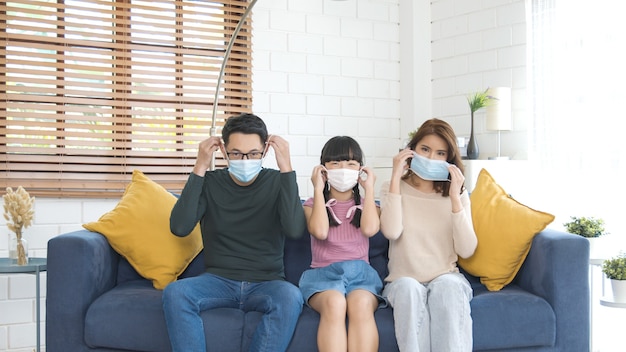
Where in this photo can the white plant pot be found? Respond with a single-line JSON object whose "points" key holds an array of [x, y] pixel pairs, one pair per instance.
{"points": [[593, 245], [619, 290]]}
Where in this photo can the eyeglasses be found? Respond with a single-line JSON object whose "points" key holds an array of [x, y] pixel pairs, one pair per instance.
{"points": [[238, 155]]}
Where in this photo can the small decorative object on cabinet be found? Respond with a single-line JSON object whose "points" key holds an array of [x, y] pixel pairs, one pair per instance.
{"points": [[588, 227], [476, 102], [18, 211], [615, 269]]}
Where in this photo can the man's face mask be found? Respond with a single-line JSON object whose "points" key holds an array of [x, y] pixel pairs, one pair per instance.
{"points": [[342, 179], [245, 167], [429, 169], [245, 170]]}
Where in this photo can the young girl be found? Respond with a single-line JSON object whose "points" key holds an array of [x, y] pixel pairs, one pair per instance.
{"points": [[341, 282], [426, 215]]}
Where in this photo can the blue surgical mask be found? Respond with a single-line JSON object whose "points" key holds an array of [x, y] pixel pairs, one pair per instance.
{"points": [[429, 169], [246, 169]]}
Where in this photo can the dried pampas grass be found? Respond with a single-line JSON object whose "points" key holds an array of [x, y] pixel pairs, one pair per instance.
{"points": [[19, 213]]}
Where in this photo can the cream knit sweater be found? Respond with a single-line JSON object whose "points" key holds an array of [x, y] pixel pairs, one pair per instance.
{"points": [[426, 238]]}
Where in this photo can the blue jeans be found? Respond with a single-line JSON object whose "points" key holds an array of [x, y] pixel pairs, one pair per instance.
{"points": [[433, 316], [183, 300]]}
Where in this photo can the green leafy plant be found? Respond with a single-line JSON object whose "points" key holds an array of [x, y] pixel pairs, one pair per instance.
{"points": [[479, 100], [615, 268], [585, 226]]}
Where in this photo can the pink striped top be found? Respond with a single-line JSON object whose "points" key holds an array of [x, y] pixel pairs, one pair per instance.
{"points": [[344, 242]]}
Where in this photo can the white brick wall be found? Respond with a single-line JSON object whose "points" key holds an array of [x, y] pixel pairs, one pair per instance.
{"points": [[324, 68], [18, 329], [331, 68], [476, 45]]}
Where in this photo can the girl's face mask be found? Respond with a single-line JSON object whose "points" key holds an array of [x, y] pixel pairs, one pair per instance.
{"points": [[342, 179], [429, 169]]}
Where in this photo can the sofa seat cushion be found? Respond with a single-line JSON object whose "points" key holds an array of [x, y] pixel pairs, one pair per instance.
{"points": [[130, 317], [496, 314]]}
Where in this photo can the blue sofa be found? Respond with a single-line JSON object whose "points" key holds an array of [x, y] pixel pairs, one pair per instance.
{"points": [[97, 302]]}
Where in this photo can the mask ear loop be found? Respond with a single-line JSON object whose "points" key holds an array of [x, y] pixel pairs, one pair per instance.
{"points": [[267, 146], [223, 150], [362, 175], [325, 174]]}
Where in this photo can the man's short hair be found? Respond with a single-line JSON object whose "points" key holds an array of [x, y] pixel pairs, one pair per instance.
{"points": [[244, 123]]}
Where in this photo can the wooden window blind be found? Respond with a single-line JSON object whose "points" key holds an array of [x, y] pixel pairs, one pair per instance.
{"points": [[92, 90]]}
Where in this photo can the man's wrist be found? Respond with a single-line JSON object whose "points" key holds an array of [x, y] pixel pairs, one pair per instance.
{"points": [[200, 170]]}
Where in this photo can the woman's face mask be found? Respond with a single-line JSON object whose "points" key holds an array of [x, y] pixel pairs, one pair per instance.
{"points": [[342, 179], [429, 169]]}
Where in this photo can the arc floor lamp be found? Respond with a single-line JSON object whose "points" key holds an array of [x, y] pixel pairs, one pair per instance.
{"points": [[231, 42]]}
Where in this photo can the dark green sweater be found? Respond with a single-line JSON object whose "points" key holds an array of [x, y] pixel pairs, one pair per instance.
{"points": [[243, 227]]}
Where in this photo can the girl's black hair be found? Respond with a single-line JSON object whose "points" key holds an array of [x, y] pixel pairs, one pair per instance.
{"points": [[342, 148]]}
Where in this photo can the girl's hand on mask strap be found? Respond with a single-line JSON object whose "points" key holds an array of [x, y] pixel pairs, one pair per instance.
{"points": [[367, 179], [318, 177]]}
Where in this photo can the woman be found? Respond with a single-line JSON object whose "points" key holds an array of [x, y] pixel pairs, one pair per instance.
{"points": [[426, 215]]}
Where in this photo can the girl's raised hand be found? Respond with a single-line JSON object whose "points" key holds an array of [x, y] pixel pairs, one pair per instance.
{"points": [[367, 179], [318, 177]]}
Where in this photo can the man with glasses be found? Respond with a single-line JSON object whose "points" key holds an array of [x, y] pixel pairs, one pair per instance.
{"points": [[245, 212]]}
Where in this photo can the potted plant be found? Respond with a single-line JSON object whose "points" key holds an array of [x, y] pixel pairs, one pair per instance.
{"points": [[615, 270], [476, 102], [588, 227]]}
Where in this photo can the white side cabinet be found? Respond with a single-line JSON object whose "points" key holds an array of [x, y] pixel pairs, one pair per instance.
{"points": [[513, 175]]}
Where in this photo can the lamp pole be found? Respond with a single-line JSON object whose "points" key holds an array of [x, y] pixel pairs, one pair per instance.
{"points": [[231, 42]]}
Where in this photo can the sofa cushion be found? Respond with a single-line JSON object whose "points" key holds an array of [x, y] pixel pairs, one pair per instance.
{"points": [[505, 229], [118, 319], [130, 317], [511, 318], [138, 229]]}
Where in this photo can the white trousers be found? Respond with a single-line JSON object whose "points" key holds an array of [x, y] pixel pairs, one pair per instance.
{"points": [[433, 316]]}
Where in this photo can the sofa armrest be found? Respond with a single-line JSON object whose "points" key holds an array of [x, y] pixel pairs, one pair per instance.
{"points": [[557, 269], [81, 266]]}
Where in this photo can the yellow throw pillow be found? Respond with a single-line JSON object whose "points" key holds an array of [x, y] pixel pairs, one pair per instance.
{"points": [[138, 228], [505, 229]]}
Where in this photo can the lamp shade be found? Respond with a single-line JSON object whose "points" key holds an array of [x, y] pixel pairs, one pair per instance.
{"points": [[499, 111]]}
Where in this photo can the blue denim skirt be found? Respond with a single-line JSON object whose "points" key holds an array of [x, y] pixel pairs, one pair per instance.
{"points": [[344, 277]]}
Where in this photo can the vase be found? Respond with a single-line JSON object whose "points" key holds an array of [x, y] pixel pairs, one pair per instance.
{"points": [[18, 250], [472, 146], [619, 290]]}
